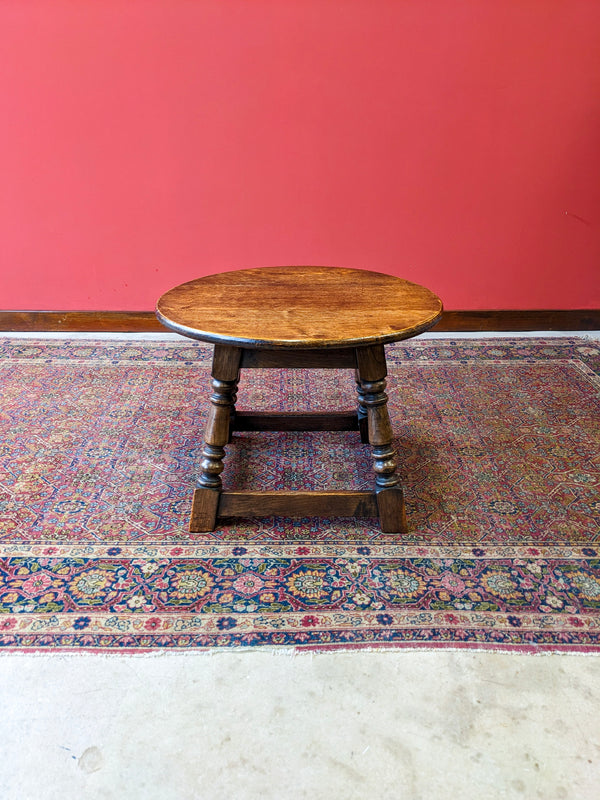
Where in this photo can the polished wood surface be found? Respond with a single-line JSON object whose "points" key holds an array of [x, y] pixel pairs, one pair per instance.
{"points": [[299, 307]]}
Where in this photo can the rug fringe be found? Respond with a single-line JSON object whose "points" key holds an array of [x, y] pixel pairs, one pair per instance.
{"points": [[294, 652]]}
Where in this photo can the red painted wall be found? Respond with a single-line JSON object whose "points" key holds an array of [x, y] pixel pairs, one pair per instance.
{"points": [[147, 142]]}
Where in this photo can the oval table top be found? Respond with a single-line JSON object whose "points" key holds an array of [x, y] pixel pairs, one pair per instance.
{"points": [[299, 307]]}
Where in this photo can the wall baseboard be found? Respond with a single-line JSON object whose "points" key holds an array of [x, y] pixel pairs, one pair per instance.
{"points": [[72, 321], [146, 322], [532, 320]]}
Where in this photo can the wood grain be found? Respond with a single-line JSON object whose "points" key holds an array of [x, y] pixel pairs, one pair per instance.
{"points": [[299, 307], [203, 516], [392, 513], [298, 504]]}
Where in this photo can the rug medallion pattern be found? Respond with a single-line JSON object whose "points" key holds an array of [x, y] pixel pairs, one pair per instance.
{"points": [[499, 457]]}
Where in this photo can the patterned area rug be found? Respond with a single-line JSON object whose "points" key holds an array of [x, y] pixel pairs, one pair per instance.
{"points": [[500, 463]]}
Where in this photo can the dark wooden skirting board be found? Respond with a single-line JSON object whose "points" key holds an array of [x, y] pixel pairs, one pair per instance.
{"points": [[146, 322], [71, 321], [532, 320]]}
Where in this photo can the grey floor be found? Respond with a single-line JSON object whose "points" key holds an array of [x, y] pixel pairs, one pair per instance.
{"points": [[247, 725], [242, 725]]}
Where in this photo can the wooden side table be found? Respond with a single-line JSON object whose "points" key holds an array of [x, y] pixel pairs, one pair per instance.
{"points": [[299, 317]]}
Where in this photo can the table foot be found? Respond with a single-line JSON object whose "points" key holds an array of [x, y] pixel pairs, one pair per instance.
{"points": [[392, 513], [204, 510]]}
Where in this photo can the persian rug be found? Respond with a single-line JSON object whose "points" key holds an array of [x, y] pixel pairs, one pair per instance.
{"points": [[499, 458]]}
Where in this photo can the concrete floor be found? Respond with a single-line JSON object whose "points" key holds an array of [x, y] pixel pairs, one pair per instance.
{"points": [[252, 724], [246, 725]]}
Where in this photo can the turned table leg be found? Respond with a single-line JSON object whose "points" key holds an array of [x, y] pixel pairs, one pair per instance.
{"points": [[363, 425], [232, 409], [225, 376], [372, 372]]}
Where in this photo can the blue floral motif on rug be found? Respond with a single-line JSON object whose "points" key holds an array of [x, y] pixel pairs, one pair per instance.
{"points": [[499, 457]]}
